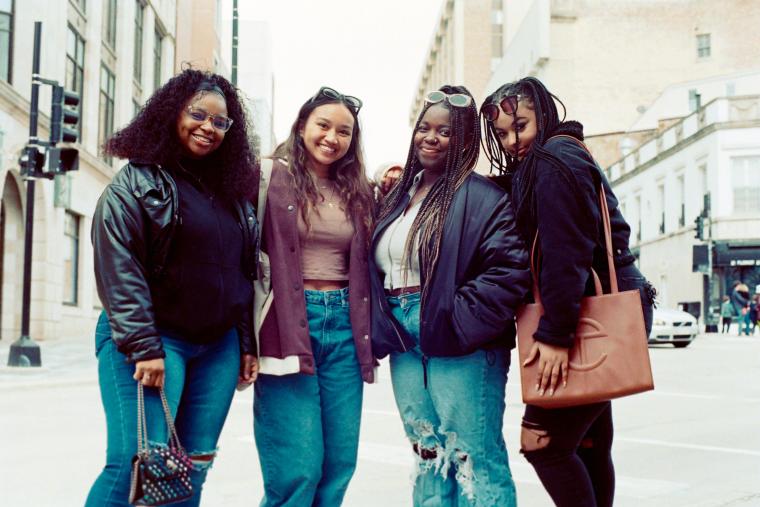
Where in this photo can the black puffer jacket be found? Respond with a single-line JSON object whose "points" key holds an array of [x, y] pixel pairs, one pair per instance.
{"points": [[481, 277], [133, 226]]}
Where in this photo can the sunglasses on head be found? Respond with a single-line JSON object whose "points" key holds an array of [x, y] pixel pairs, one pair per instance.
{"points": [[454, 99], [508, 104], [351, 102], [218, 121]]}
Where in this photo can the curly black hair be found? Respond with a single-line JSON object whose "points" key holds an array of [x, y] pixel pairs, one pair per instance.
{"points": [[151, 137]]}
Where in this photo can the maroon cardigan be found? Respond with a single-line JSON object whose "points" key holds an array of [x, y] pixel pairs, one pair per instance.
{"points": [[284, 333]]}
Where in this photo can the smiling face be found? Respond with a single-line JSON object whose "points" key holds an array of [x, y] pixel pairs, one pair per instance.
{"points": [[431, 139], [199, 139], [327, 135], [517, 132]]}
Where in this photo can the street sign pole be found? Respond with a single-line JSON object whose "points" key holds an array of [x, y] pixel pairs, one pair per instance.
{"points": [[24, 351]]}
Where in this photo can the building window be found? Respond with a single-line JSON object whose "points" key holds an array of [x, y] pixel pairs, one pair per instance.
{"points": [[136, 107], [109, 22], [82, 4], [703, 45], [6, 39], [70, 258], [75, 68], [695, 100], [497, 31], [157, 46], [638, 218], [661, 202], [106, 107], [745, 180], [139, 17], [682, 201]]}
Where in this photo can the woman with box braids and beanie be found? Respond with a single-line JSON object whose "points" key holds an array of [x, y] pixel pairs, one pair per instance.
{"points": [[554, 185], [447, 271]]}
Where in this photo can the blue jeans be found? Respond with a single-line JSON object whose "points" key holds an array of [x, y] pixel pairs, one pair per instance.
{"points": [[452, 409], [199, 384], [307, 426]]}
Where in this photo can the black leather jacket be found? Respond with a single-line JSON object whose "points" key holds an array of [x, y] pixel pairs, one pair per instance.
{"points": [[132, 230]]}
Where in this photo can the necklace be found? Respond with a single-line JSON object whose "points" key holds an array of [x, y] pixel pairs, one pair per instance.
{"points": [[328, 200]]}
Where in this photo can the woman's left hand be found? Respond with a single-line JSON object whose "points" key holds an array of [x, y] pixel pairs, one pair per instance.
{"points": [[552, 366], [249, 369]]}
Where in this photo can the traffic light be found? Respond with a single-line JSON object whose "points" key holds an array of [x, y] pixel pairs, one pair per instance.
{"points": [[64, 116], [699, 229], [31, 161], [61, 160]]}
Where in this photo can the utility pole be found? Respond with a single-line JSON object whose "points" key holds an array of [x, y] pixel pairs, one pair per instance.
{"points": [[234, 41], [710, 325], [25, 351]]}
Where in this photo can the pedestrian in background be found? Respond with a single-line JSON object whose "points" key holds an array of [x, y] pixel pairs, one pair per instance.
{"points": [[448, 270], [175, 240], [727, 313], [554, 186], [314, 321], [754, 310], [740, 300]]}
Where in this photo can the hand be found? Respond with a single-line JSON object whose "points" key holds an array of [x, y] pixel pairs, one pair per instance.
{"points": [[249, 369], [389, 180], [150, 372], [552, 366]]}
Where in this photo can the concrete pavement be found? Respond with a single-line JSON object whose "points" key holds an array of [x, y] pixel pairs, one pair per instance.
{"points": [[691, 442]]}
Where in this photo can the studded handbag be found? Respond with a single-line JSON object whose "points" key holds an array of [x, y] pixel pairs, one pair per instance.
{"points": [[160, 473]]}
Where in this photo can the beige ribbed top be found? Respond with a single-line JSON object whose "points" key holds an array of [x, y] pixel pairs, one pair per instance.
{"points": [[325, 248]]}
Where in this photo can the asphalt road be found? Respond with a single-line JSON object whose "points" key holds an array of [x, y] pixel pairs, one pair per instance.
{"points": [[694, 441]]}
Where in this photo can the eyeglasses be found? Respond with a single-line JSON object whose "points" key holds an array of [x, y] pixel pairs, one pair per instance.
{"points": [[455, 99], [351, 102], [508, 104], [219, 122]]}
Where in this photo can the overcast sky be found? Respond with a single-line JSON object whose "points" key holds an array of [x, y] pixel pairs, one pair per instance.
{"points": [[373, 50]]}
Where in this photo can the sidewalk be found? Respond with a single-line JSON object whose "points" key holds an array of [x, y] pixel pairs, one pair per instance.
{"points": [[64, 362]]}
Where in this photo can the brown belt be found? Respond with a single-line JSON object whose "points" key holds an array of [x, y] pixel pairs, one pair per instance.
{"points": [[402, 291]]}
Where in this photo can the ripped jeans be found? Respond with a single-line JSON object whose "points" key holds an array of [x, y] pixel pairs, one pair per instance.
{"points": [[200, 382], [452, 409]]}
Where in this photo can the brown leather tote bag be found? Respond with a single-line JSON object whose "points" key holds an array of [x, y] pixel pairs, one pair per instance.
{"points": [[610, 357]]}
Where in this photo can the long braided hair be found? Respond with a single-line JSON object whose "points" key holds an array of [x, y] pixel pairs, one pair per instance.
{"points": [[461, 157], [348, 172], [521, 175]]}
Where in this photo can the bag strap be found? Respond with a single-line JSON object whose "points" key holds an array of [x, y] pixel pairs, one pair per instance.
{"points": [[142, 427], [266, 176], [605, 213]]}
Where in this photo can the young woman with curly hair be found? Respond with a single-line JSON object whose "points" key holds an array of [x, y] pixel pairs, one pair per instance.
{"points": [[312, 314], [448, 271], [555, 183], [175, 241]]}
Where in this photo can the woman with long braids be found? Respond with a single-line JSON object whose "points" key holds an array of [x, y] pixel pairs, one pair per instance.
{"points": [[175, 241], [448, 270], [555, 188], [313, 322]]}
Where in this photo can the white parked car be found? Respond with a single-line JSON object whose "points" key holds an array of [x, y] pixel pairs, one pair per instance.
{"points": [[673, 326]]}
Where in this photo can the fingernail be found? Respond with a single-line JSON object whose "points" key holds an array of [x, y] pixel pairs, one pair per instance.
{"points": [[541, 392], [551, 392], [538, 388]]}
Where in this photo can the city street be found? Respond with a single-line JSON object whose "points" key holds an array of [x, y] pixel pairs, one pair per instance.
{"points": [[694, 441]]}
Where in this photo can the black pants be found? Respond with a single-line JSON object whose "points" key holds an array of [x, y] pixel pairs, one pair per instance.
{"points": [[726, 324], [575, 466]]}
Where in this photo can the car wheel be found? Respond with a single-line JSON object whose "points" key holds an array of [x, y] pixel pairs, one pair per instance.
{"points": [[681, 345]]}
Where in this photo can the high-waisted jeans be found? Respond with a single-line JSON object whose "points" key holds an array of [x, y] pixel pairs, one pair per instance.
{"points": [[307, 426], [200, 381], [452, 409]]}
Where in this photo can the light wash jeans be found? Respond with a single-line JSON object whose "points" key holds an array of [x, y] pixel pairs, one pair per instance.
{"points": [[307, 426], [452, 409], [199, 384]]}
